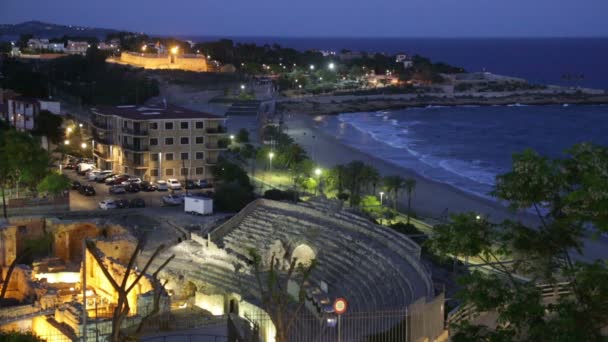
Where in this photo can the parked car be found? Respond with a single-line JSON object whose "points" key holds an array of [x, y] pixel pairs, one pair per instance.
{"points": [[172, 200], [102, 176], [76, 185], [117, 189], [122, 203], [87, 190], [161, 185], [132, 187], [203, 184], [107, 204], [134, 180], [116, 180], [190, 185], [147, 186], [174, 184], [92, 174], [137, 203]]}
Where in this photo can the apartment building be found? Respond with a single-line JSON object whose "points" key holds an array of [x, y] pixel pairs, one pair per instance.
{"points": [[157, 141]]}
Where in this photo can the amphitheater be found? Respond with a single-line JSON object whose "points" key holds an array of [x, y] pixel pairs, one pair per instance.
{"points": [[376, 269]]}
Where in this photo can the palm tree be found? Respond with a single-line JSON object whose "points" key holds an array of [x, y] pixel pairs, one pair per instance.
{"points": [[410, 185], [393, 185]]}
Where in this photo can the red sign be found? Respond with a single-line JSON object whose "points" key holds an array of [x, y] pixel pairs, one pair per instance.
{"points": [[340, 306]]}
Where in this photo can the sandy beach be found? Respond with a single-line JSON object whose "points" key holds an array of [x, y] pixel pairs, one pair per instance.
{"points": [[431, 199]]}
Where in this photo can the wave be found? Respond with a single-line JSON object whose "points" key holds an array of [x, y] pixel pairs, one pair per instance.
{"points": [[517, 105]]}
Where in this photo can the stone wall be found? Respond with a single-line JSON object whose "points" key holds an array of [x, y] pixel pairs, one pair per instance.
{"points": [[153, 61], [15, 234]]}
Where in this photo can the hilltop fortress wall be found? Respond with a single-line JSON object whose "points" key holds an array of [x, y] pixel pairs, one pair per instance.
{"points": [[154, 61]]}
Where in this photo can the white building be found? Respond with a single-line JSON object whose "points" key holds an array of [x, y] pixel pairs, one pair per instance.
{"points": [[77, 48], [22, 111], [405, 59], [38, 44], [56, 47]]}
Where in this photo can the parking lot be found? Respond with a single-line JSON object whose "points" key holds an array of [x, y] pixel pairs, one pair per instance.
{"points": [[81, 202]]}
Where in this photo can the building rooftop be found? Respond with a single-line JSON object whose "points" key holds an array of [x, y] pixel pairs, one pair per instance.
{"points": [[153, 112]]}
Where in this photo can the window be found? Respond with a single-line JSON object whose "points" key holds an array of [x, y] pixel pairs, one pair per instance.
{"points": [[168, 125], [168, 141], [200, 155], [154, 172], [184, 156], [200, 170], [184, 140], [200, 140], [200, 125], [154, 157], [184, 171], [168, 156], [168, 172], [183, 125], [153, 141], [153, 125]]}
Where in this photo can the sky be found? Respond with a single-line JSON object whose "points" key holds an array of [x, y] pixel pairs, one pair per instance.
{"points": [[324, 18]]}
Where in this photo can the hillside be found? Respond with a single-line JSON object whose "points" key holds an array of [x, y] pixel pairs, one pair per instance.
{"points": [[46, 30]]}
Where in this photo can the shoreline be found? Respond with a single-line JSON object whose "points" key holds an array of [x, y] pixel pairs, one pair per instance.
{"points": [[431, 198], [333, 105]]}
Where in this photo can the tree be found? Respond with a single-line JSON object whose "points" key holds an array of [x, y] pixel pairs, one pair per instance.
{"points": [[121, 286], [570, 198], [49, 125], [355, 176], [242, 136], [410, 185], [394, 184], [54, 183], [273, 286]]}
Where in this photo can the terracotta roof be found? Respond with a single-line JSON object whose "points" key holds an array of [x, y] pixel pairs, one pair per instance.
{"points": [[153, 112]]}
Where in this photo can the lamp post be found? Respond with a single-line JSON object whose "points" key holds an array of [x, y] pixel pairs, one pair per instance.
{"points": [[83, 145], [231, 138], [331, 66], [381, 196], [270, 156], [318, 175], [312, 67], [66, 142]]}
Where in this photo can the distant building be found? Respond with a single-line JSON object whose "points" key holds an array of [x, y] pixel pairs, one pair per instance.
{"points": [[77, 48], [159, 60], [349, 55], [157, 141], [22, 112], [106, 46], [56, 47], [38, 44], [404, 59]]}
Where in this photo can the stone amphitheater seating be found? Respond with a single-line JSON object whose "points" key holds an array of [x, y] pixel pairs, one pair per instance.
{"points": [[373, 267]]}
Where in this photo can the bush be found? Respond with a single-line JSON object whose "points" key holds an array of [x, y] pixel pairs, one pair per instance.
{"points": [[232, 197], [279, 195]]}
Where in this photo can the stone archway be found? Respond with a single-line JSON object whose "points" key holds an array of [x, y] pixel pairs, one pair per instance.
{"points": [[304, 254]]}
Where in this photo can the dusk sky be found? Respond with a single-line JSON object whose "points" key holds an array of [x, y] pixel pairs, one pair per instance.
{"points": [[324, 18]]}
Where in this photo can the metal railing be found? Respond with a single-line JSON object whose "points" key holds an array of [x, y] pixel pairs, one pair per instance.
{"points": [[132, 131], [136, 148]]}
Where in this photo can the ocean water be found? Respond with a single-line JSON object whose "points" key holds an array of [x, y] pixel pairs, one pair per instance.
{"points": [[467, 147], [539, 60]]}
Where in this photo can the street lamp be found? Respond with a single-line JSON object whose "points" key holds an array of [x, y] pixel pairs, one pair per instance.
{"points": [[143, 48], [242, 87], [270, 156], [231, 138], [83, 145], [478, 217], [66, 142], [331, 66], [69, 130], [381, 196], [174, 50], [317, 172], [80, 125], [312, 67]]}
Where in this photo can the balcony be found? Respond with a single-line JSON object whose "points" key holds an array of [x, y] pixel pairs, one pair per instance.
{"points": [[216, 146], [210, 162], [131, 131], [138, 164], [136, 148], [101, 125], [102, 140], [216, 130]]}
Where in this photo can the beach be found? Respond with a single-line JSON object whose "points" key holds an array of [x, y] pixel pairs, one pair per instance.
{"points": [[431, 199]]}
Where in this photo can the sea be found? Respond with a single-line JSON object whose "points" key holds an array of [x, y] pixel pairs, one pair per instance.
{"points": [[467, 146]]}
